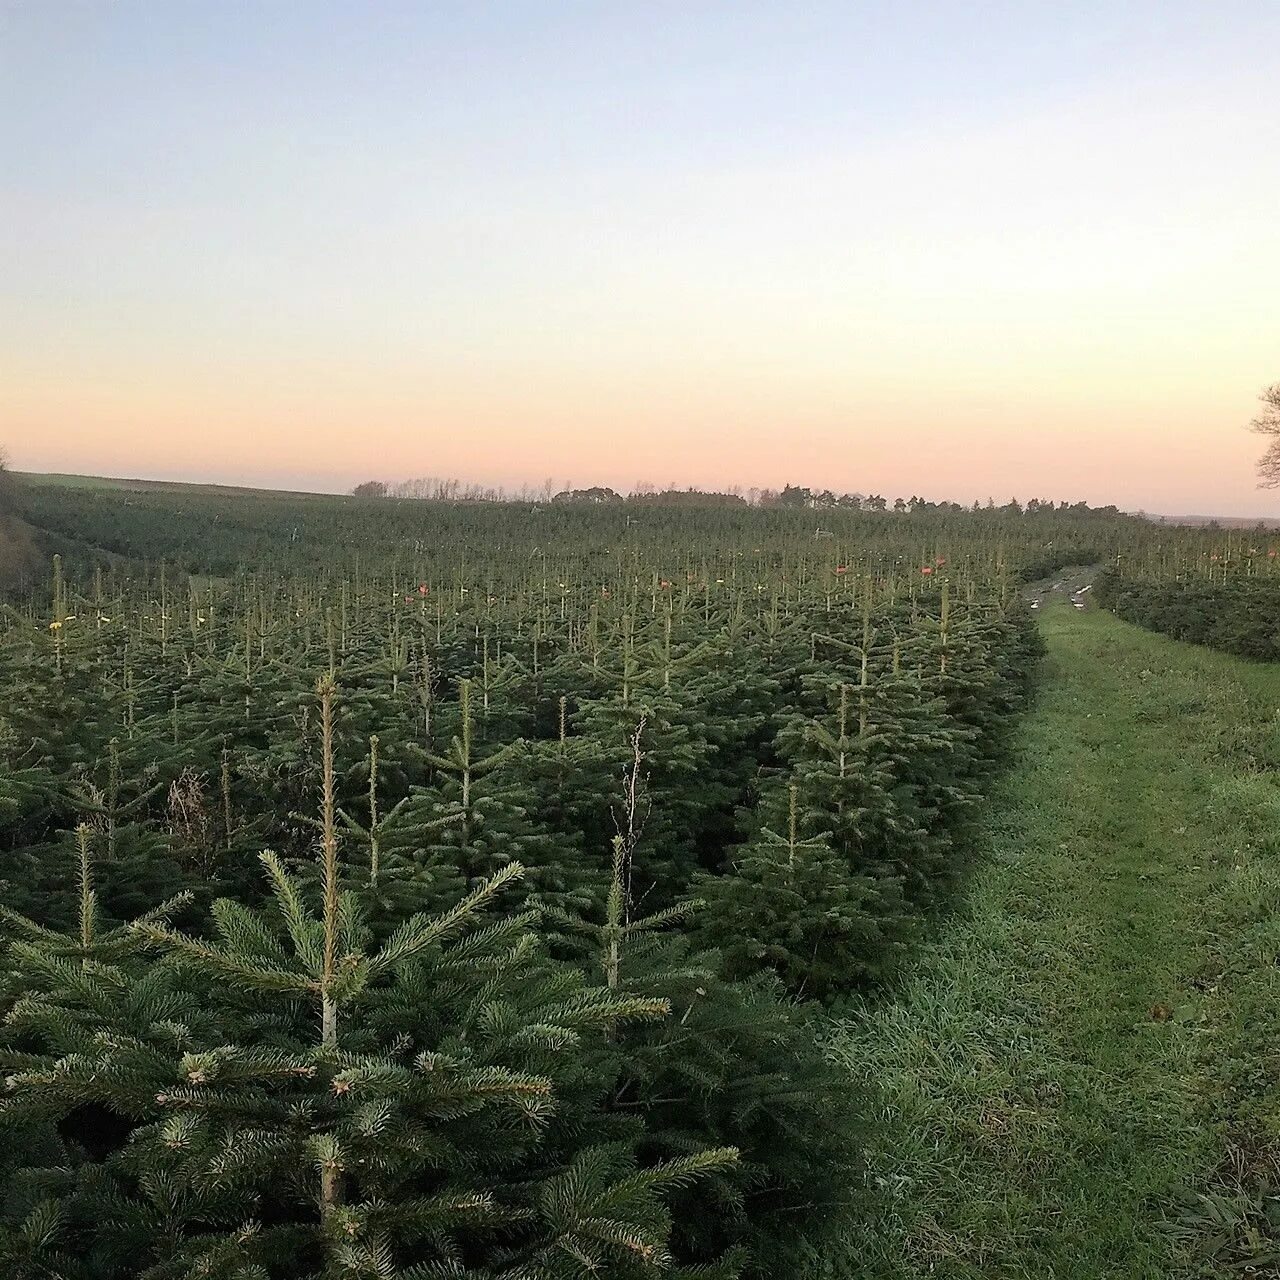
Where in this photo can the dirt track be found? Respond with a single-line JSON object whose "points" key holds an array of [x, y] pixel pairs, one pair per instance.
{"points": [[1072, 585]]}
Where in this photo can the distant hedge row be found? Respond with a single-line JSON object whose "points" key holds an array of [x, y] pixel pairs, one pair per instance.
{"points": [[1240, 617]]}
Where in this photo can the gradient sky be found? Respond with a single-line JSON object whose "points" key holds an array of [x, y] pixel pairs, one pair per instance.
{"points": [[951, 248]]}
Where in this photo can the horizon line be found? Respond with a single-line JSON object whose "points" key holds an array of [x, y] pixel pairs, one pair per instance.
{"points": [[526, 493]]}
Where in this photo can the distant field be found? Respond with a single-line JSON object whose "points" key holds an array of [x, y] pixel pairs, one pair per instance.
{"points": [[63, 481], [1225, 522]]}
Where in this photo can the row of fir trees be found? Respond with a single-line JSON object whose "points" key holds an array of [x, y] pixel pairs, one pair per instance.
{"points": [[358, 925]]}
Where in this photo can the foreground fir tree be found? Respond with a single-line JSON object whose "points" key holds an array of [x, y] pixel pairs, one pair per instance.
{"points": [[88, 1025], [287, 1098], [735, 1064]]}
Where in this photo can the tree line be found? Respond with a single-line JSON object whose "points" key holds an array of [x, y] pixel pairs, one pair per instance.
{"points": [[789, 497]]}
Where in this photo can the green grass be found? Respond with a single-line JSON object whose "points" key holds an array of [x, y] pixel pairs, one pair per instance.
{"points": [[1078, 1078]]}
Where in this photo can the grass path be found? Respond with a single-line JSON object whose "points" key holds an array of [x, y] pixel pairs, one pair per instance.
{"points": [[1078, 1079]]}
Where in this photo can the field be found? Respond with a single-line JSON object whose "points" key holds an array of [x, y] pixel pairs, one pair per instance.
{"points": [[172, 487], [423, 889]]}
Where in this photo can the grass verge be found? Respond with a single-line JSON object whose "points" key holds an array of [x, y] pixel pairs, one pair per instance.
{"points": [[1078, 1079]]}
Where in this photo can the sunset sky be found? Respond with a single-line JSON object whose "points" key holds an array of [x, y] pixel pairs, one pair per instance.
{"points": [[959, 249]]}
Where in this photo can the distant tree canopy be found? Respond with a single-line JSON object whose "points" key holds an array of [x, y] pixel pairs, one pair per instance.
{"points": [[1267, 423], [795, 495], [791, 497], [596, 495], [686, 498]]}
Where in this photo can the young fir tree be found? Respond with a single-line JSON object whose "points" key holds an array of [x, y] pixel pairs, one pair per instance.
{"points": [[795, 907], [87, 1022], [396, 868], [288, 1098], [482, 812], [736, 1064]]}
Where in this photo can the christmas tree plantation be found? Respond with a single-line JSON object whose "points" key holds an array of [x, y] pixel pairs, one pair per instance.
{"points": [[419, 890]]}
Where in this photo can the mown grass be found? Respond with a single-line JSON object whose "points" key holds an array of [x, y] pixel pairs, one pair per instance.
{"points": [[1078, 1080]]}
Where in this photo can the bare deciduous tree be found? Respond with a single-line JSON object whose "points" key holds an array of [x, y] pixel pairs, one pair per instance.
{"points": [[1267, 423]]}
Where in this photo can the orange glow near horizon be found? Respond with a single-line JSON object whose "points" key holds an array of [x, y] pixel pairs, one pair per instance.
{"points": [[919, 278]]}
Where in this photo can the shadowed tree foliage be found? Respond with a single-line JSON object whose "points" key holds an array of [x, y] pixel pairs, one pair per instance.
{"points": [[18, 555]]}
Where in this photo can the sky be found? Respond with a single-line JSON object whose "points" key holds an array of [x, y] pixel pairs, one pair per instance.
{"points": [[956, 249]]}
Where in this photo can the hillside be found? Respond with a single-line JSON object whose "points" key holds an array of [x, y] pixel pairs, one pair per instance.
{"points": [[68, 481], [19, 555]]}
